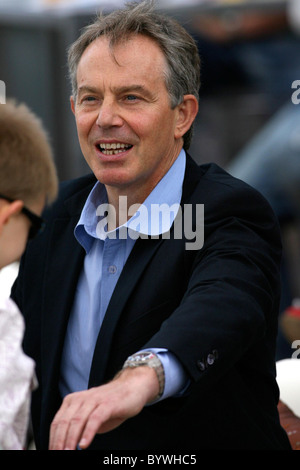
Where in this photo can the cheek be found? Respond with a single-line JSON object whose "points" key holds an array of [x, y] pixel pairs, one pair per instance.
{"points": [[84, 124], [147, 128], [162, 125], [16, 242]]}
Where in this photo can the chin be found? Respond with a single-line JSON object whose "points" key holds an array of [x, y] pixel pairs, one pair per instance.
{"points": [[111, 177]]}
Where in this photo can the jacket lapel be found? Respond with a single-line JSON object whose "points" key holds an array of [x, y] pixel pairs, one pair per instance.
{"points": [[143, 251], [63, 267]]}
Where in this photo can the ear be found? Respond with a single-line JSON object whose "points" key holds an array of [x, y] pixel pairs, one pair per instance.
{"points": [[187, 112], [7, 210], [72, 101]]}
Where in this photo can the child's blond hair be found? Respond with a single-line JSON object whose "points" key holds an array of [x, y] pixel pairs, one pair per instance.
{"points": [[27, 169]]}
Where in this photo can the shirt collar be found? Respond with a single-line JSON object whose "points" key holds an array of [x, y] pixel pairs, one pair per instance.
{"points": [[154, 217]]}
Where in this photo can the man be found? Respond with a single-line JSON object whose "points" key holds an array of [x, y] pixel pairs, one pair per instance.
{"points": [[195, 328]]}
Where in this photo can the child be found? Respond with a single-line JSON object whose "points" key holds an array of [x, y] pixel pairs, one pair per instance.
{"points": [[28, 182]]}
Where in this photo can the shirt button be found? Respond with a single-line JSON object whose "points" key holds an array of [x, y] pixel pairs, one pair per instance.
{"points": [[112, 269]]}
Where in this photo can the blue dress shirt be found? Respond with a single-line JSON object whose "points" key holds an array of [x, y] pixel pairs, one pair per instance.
{"points": [[106, 255]]}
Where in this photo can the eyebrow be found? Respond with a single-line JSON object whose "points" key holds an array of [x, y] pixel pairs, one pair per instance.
{"points": [[86, 89], [118, 90], [134, 88]]}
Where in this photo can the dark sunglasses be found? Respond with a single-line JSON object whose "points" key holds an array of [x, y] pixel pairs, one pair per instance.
{"points": [[37, 223]]}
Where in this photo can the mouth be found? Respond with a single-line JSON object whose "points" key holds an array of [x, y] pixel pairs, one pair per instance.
{"points": [[114, 148]]}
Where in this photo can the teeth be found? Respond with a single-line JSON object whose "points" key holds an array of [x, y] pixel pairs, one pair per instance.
{"points": [[114, 148]]}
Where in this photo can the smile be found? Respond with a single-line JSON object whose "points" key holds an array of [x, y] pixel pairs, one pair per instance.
{"points": [[113, 148]]}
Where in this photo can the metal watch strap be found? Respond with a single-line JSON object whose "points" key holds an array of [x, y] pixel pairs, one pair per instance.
{"points": [[150, 359]]}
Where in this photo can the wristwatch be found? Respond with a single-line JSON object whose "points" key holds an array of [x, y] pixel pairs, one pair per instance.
{"points": [[150, 359]]}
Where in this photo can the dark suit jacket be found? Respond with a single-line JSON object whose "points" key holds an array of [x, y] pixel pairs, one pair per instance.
{"points": [[215, 309]]}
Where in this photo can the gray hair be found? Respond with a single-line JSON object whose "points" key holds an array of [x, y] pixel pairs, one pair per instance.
{"points": [[179, 48]]}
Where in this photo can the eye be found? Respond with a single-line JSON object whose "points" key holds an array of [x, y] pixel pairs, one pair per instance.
{"points": [[86, 100], [131, 98]]}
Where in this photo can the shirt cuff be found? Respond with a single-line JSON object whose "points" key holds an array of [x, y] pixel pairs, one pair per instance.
{"points": [[176, 379]]}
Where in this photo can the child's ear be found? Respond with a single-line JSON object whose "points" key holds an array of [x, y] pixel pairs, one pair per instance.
{"points": [[9, 209]]}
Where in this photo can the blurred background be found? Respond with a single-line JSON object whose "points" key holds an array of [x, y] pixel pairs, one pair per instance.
{"points": [[247, 123]]}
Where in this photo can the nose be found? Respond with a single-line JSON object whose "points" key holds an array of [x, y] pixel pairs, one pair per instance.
{"points": [[108, 115]]}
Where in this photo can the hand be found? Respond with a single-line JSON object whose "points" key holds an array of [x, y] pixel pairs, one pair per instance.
{"points": [[101, 409]]}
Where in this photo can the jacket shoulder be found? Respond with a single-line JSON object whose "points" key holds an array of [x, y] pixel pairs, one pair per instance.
{"points": [[69, 187], [213, 182], [71, 197]]}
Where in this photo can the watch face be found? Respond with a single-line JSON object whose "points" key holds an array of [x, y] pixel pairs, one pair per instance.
{"points": [[143, 356]]}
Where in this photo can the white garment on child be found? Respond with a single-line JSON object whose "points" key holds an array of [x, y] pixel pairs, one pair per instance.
{"points": [[17, 378]]}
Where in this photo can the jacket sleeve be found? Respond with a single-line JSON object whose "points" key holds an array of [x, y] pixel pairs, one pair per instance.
{"points": [[228, 315]]}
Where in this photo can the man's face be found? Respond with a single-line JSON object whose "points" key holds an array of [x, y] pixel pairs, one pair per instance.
{"points": [[128, 133]]}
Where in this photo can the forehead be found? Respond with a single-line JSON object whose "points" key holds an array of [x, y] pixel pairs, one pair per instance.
{"points": [[136, 54]]}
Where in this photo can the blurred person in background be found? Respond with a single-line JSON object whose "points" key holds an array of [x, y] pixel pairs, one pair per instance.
{"points": [[270, 162]]}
